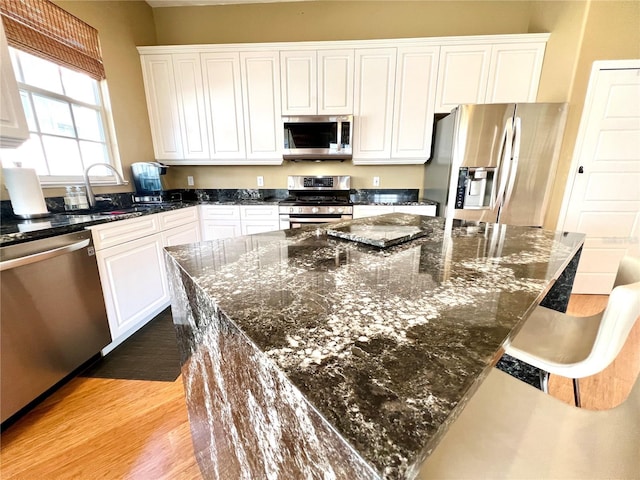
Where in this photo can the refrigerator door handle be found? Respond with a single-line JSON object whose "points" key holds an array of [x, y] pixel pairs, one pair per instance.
{"points": [[517, 137], [503, 162]]}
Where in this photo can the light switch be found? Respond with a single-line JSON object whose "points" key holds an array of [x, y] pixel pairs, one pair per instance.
{"points": [[376, 181], [260, 181], [190, 180]]}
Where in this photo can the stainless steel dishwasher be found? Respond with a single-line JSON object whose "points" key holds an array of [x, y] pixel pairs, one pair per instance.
{"points": [[52, 315]]}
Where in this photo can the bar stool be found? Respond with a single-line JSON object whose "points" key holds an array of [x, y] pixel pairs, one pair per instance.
{"points": [[577, 347], [510, 429]]}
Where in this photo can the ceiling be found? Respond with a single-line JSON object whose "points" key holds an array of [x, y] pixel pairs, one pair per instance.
{"points": [[202, 3]]}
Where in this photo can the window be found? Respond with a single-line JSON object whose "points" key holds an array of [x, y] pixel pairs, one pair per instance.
{"points": [[66, 118]]}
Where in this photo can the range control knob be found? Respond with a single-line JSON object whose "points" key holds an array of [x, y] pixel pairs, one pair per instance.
{"points": [[292, 210], [331, 209], [340, 210], [314, 210]]}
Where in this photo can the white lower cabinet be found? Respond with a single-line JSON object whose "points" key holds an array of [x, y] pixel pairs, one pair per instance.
{"points": [[360, 211], [225, 221], [134, 284], [259, 218], [426, 210], [132, 269], [181, 235]]}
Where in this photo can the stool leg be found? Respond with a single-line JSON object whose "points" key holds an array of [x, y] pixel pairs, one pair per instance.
{"points": [[544, 381], [576, 392]]}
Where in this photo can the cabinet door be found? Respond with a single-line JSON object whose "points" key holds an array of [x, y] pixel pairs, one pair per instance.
{"points": [[191, 106], [426, 210], [298, 82], [249, 227], [223, 98], [515, 72], [134, 283], [360, 211], [414, 103], [462, 76], [162, 104], [373, 103], [335, 82], [214, 229], [261, 102], [13, 122], [189, 233]]}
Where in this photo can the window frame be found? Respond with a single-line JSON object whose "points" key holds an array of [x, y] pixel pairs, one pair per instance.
{"points": [[105, 112]]}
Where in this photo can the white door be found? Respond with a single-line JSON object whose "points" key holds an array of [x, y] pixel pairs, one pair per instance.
{"points": [[191, 106], [373, 104], [262, 109], [335, 82], [414, 103], [514, 73], [162, 103], [462, 75], [223, 98], [298, 80], [604, 201]]}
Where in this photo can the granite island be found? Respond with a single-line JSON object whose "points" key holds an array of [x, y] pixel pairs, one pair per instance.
{"points": [[307, 355]]}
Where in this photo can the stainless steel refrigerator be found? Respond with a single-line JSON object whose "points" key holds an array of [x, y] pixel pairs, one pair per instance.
{"points": [[496, 162]]}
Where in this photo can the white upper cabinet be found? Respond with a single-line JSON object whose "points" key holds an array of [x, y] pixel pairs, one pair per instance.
{"points": [[223, 100], [317, 82], [515, 72], [13, 122], [162, 103], [299, 82], [191, 106], [260, 73], [462, 76], [335, 82], [373, 103], [414, 104], [223, 104]]}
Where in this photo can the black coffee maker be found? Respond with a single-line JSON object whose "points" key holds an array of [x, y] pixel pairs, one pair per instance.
{"points": [[147, 178]]}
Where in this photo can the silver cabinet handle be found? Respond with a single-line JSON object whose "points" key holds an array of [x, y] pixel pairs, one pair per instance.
{"points": [[40, 256]]}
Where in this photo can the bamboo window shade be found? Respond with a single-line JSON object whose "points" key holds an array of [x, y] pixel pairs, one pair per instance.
{"points": [[43, 29]]}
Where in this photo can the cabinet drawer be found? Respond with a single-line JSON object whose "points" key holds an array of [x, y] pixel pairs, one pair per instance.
{"points": [[115, 233], [208, 212], [259, 212], [175, 218]]}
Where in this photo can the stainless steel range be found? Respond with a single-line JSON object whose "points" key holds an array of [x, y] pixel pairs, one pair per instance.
{"points": [[315, 200]]}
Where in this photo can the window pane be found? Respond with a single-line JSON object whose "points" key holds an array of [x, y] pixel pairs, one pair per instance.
{"points": [[80, 86], [40, 73], [54, 116], [29, 153], [63, 155], [14, 62], [28, 111], [95, 153], [89, 123]]}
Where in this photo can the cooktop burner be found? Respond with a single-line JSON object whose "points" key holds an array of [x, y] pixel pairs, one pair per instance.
{"points": [[317, 200]]}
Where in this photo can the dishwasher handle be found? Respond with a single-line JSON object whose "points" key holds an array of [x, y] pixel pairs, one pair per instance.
{"points": [[40, 256]]}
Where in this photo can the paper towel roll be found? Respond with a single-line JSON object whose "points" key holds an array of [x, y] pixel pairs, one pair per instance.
{"points": [[25, 192]]}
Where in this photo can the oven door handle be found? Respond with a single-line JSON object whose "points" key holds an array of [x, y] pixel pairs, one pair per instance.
{"points": [[312, 220]]}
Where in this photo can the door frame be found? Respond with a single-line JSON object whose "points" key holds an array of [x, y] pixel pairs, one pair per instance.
{"points": [[596, 68]]}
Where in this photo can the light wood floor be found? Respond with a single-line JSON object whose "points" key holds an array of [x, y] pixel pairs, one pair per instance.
{"points": [[123, 429]]}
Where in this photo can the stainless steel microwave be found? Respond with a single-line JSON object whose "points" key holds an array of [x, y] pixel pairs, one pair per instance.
{"points": [[317, 137]]}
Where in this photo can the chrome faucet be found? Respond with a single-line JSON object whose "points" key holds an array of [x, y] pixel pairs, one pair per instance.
{"points": [[91, 199]]}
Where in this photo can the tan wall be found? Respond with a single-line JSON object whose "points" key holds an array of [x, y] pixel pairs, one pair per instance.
{"points": [[612, 32], [121, 26], [337, 20]]}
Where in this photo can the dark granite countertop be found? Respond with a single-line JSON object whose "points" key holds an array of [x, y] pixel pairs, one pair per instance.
{"points": [[15, 230], [386, 344]]}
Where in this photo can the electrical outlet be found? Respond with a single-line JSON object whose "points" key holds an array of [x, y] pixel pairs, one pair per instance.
{"points": [[190, 180], [260, 181], [376, 181]]}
